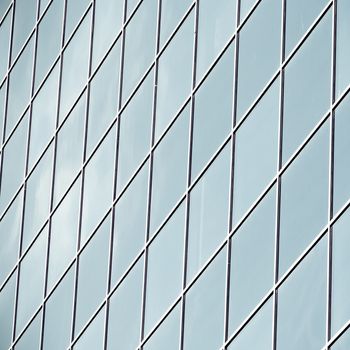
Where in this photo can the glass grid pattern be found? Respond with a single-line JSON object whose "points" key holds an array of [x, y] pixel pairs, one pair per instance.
{"points": [[181, 283]]}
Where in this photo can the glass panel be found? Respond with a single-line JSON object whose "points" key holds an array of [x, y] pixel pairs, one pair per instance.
{"points": [[258, 58], [174, 75], [252, 261], [10, 228], [20, 87], [341, 185], [49, 40], [25, 18], [58, 314], [74, 11], [256, 151], [13, 172], [135, 132], [204, 312], [92, 276], [37, 199], [169, 170], [299, 16], [343, 343], [130, 224], [302, 299], [140, 41], [7, 299], [43, 5], [304, 199], [69, 151], [213, 112], [245, 7], [208, 212], [31, 281], [4, 6], [340, 273], [98, 185], [44, 115], [311, 69], [31, 338], [125, 311], [103, 104], [216, 24], [2, 108], [167, 335], [164, 268], [75, 66], [4, 43], [257, 331], [64, 228]]}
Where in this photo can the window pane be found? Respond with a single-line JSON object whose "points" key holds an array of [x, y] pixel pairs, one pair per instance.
{"points": [[130, 224], [204, 312], [31, 338], [256, 151], [252, 261], [302, 299], [164, 268], [311, 69], [74, 12], [208, 212], [4, 43], [213, 112], [4, 6], [343, 343], [258, 58], [140, 41], [2, 108], [170, 170], [304, 199], [245, 7], [125, 311], [174, 75], [216, 24]]}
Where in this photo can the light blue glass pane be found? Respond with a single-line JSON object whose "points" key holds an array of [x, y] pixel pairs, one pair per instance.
{"points": [[252, 261], [164, 268], [245, 7], [169, 170], [43, 5], [130, 6], [31, 281], [342, 78], [92, 275], [10, 227], [304, 199], [37, 200], [20, 83], [63, 239], [125, 311], [140, 41], [130, 224], [7, 299], [103, 104], [174, 75], [75, 66], [58, 314], [341, 185], [13, 172], [213, 112], [108, 20], [25, 18], [343, 343], [4, 43], [135, 132], [258, 58], [208, 212], [167, 335], [69, 151], [258, 332], [216, 24], [74, 11], [256, 151], [44, 115], [204, 311], [299, 16], [340, 273], [172, 12], [31, 338], [2, 107], [311, 69], [302, 300], [4, 6], [92, 338], [98, 185]]}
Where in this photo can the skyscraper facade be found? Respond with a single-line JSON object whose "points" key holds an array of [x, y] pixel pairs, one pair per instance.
{"points": [[174, 174]]}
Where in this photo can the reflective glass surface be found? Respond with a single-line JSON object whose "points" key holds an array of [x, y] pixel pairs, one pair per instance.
{"points": [[5, 28], [343, 342], [31, 337]]}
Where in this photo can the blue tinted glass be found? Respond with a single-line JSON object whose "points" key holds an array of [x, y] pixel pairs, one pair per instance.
{"points": [[31, 338], [343, 343], [4, 43], [74, 11], [245, 7]]}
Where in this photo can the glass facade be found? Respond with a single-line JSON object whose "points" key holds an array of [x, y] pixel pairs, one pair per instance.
{"points": [[174, 174]]}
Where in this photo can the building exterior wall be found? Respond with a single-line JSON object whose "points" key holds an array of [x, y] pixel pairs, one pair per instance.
{"points": [[174, 174]]}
